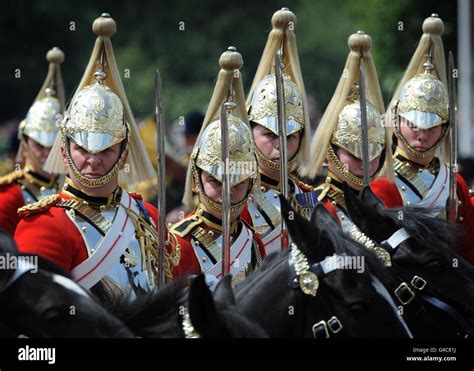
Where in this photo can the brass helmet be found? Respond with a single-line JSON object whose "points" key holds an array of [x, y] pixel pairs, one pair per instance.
{"points": [[263, 109], [421, 96], [340, 125], [42, 120], [261, 100], [424, 100], [206, 155], [95, 118], [99, 117], [348, 133]]}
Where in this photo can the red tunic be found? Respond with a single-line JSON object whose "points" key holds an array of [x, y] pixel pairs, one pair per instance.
{"points": [[389, 194], [49, 233], [189, 263], [466, 218], [383, 188], [11, 199]]}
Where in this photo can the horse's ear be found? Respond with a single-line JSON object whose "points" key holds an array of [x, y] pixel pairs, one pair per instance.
{"points": [[202, 310], [322, 218], [328, 231], [366, 215], [300, 229], [223, 294], [361, 213], [369, 197]]}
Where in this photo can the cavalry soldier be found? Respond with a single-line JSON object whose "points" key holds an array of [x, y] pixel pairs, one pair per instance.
{"points": [[263, 116], [419, 117], [105, 236], [200, 234], [338, 139], [36, 133]]}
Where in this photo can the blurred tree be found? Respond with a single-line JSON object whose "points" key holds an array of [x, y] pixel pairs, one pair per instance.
{"points": [[184, 39]]}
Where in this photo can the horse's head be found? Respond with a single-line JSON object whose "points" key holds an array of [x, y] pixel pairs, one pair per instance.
{"points": [[44, 302], [180, 310], [420, 245], [319, 288]]}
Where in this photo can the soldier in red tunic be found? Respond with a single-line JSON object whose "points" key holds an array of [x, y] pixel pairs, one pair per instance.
{"points": [[199, 235], [263, 115], [338, 139], [105, 236], [36, 133], [419, 118]]}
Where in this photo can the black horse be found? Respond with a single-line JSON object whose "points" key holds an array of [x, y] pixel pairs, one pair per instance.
{"points": [[347, 303], [431, 282], [41, 301], [176, 311]]}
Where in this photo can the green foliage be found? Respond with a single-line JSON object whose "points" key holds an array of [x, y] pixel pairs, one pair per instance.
{"points": [[149, 38]]}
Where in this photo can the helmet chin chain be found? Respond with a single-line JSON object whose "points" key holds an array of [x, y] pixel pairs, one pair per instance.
{"points": [[274, 165], [345, 171], [88, 182], [35, 161], [412, 150], [217, 206]]}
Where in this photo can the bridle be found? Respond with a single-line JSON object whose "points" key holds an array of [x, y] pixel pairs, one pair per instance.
{"points": [[305, 278], [419, 290]]}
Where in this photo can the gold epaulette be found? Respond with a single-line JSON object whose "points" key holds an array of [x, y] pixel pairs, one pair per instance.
{"points": [[208, 240], [89, 213], [43, 204], [11, 177], [185, 226]]}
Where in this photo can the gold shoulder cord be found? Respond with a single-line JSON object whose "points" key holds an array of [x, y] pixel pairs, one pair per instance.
{"points": [[45, 201], [148, 238], [11, 177]]}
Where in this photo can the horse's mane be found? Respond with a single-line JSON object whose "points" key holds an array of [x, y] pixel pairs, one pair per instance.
{"points": [[240, 325], [423, 228], [348, 246], [149, 309]]}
